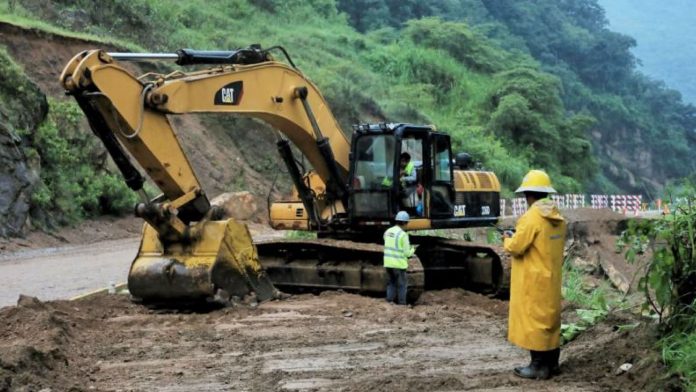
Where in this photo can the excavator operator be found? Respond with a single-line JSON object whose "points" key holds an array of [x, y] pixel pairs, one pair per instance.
{"points": [[411, 190], [407, 172]]}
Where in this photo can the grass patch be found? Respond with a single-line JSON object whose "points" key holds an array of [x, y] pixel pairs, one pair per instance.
{"points": [[29, 23], [593, 303], [679, 353]]}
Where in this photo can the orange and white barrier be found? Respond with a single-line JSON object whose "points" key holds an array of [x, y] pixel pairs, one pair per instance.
{"points": [[519, 206], [624, 204], [600, 201], [569, 200]]}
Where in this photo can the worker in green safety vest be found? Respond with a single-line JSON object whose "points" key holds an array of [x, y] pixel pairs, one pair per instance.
{"points": [[407, 170], [397, 250]]}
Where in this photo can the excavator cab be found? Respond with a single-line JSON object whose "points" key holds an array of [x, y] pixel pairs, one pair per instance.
{"points": [[400, 167]]}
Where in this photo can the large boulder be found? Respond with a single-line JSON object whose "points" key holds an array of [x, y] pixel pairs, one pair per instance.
{"points": [[237, 205]]}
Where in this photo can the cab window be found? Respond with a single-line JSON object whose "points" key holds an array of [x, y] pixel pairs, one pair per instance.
{"points": [[374, 166], [441, 160]]}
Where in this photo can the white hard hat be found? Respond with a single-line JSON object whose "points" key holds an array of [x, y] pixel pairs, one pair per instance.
{"points": [[402, 216]]}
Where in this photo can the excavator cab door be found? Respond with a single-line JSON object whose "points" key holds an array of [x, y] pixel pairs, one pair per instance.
{"points": [[440, 186], [413, 171]]}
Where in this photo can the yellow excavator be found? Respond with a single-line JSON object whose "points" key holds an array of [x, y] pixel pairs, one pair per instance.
{"points": [[349, 196]]}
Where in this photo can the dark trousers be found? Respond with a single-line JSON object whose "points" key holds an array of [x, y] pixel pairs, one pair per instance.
{"points": [[396, 284]]}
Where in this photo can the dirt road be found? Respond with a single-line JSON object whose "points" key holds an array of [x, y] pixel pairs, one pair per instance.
{"points": [[61, 273], [99, 252]]}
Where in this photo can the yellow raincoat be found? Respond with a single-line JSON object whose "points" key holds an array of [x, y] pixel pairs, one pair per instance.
{"points": [[535, 287]]}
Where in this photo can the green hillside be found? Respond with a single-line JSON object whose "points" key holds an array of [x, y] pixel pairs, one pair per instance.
{"points": [[518, 84]]}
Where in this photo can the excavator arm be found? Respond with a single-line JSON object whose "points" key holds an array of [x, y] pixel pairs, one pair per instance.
{"points": [[185, 253]]}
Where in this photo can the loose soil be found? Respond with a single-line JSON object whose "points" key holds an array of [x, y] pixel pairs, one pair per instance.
{"points": [[450, 340]]}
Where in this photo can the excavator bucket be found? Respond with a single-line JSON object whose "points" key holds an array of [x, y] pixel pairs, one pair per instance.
{"points": [[222, 258]]}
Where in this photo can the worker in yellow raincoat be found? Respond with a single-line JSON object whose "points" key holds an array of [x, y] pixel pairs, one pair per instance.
{"points": [[536, 247]]}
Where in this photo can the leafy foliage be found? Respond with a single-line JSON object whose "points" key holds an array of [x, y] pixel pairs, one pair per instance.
{"points": [[22, 105], [431, 70], [593, 304], [527, 112], [480, 70], [74, 182], [570, 38], [670, 282], [460, 42], [632, 114]]}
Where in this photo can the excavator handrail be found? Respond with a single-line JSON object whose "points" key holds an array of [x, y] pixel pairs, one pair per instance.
{"points": [[130, 56], [251, 55]]}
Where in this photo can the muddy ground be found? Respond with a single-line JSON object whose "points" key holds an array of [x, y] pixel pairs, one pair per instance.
{"points": [[450, 340]]}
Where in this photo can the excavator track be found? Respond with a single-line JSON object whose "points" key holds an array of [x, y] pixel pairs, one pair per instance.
{"points": [[478, 267], [297, 265], [311, 265]]}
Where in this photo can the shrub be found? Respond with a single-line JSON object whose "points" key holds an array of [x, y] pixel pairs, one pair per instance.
{"points": [[75, 181]]}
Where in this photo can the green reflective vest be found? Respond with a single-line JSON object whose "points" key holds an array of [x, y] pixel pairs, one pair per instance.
{"points": [[410, 167], [409, 174], [397, 248]]}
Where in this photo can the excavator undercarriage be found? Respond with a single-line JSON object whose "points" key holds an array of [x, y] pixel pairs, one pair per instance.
{"points": [[297, 265]]}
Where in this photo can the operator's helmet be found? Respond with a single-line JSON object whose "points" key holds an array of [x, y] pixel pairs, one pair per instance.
{"points": [[536, 181], [402, 216]]}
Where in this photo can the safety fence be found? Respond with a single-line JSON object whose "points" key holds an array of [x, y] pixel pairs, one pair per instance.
{"points": [[625, 204]]}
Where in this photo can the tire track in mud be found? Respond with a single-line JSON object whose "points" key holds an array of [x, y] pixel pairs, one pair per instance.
{"points": [[308, 343]]}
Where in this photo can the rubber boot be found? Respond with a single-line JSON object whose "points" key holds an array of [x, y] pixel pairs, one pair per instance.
{"points": [[536, 370], [552, 360], [519, 368]]}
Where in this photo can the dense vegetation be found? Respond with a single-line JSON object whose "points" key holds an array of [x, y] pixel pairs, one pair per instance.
{"points": [[72, 180], [75, 181], [519, 84], [669, 284], [597, 71]]}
